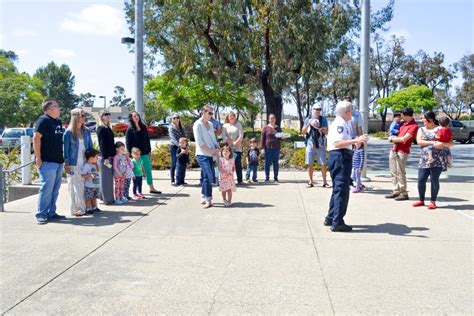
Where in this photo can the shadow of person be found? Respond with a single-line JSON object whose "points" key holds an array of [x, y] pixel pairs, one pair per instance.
{"points": [[250, 205], [389, 228], [104, 218], [463, 207]]}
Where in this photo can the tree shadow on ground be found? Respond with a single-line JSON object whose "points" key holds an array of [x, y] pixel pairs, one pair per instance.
{"points": [[104, 218], [464, 207], [389, 228]]}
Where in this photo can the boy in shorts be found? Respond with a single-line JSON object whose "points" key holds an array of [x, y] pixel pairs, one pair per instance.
{"points": [[90, 174]]}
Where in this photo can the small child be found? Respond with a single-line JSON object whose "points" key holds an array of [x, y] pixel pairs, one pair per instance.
{"points": [[357, 166], [226, 169], [182, 162], [395, 126], [91, 176], [128, 177], [252, 161], [120, 170], [138, 174], [443, 135]]}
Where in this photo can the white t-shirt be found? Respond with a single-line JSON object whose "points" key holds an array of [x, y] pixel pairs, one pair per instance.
{"points": [[356, 123], [339, 130], [204, 136]]}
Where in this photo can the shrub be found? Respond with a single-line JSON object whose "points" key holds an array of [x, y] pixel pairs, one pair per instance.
{"points": [[161, 158], [380, 135], [120, 127]]}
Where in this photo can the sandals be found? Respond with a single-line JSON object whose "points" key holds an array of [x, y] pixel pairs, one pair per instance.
{"points": [[326, 185], [309, 185], [78, 213]]}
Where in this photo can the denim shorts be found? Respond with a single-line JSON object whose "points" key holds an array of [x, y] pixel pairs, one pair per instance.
{"points": [[311, 153]]}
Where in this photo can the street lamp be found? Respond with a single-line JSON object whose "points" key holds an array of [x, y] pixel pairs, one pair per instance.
{"points": [[138, 41], [105, 102]]}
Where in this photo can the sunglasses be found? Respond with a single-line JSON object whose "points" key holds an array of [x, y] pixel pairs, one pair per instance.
{"points": [[106, 114], [176, 118], [210, 113], [317, 109]]}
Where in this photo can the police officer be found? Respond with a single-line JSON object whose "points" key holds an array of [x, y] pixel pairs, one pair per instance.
{"points": [[340, 143]]}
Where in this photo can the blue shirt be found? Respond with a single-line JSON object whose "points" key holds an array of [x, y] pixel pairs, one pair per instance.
{"points": [[394, 128]]}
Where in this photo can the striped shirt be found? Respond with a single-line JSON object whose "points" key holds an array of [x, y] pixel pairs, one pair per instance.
{"points": [[358, 158]]}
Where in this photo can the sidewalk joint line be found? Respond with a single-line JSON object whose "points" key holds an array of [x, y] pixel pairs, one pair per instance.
{"points": [[90, 253], [226, 271], [315, 248]]}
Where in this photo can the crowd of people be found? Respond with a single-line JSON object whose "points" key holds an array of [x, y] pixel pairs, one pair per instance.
{"points": [[108, 173]]}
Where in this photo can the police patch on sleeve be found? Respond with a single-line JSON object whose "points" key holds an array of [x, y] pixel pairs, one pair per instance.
{"points": [[340, 129]]}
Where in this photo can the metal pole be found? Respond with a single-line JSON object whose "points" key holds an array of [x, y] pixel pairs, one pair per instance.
{"points": [[105, 103], [2, 195], [25, 159], [139, 58], [364, 73]]}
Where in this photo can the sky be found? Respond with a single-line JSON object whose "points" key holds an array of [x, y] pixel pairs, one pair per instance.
{"points": [[85, 34]]}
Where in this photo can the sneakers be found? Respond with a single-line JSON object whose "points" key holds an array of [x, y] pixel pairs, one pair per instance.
{"points": [[392, 195], [255, 181], [119, 202], [207, 204], [137, 197], [41, 220], [97, 210], [402, 197], [327, 222], [124, 199], [418, 204], [359, 190], [90, 211], [57, 217], [227, 203], [247, 181], [142, 196]]}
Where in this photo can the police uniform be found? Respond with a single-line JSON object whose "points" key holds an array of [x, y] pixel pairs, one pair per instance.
{"points": [[340, 166]]}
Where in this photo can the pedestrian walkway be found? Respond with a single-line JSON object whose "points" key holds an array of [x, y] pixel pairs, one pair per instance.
{"points": [[268, 254]]}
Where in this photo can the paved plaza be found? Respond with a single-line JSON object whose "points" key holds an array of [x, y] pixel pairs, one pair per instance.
{"points": [[268, 254]]}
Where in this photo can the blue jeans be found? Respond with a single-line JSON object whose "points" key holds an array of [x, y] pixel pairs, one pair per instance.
{"points": [[173, 151], [251, 169], [206, 165], [50, 175], [340, 166], [271, 158], [238, 165], [423, 174], [180, 173]]}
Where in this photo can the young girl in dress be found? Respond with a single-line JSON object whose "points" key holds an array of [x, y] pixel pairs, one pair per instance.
{"points": [[226, 170]]}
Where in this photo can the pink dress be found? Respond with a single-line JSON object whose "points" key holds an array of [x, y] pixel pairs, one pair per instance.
{"points": [[227, 175]]}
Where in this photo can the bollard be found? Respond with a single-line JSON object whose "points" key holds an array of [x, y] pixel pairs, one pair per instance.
{"points": [[26, 159]]}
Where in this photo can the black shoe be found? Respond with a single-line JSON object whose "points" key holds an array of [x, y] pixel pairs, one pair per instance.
{"points": [[267, 180], [392, 195], [97, 210], [155, 191], [57, 217], [341, 228], [129, 198], [402, 197], [255, 181], [327, 222], [90, 212], [276, 179]]}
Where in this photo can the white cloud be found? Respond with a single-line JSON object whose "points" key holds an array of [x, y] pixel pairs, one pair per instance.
{"points": [[22, 52], [99, 19], [62, 53], [21, 32]]}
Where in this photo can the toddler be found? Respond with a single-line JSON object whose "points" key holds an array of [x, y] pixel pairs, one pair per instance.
{"points": [[91, 176], [128, 177], [357, 165], [137, 173], [120, 171], [252, 161], [226, 169], [444, 135], [395, 126], [182, 161]]}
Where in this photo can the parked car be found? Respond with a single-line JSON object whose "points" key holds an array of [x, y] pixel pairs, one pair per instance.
{"points": [[11, 137], [92, 126], [461, 132]]}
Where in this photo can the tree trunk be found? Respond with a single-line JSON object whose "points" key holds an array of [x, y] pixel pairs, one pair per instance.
{"points": [[383, 115], [298, 104], [273, 99]]}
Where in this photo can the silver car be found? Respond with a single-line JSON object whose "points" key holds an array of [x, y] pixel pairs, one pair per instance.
{"points": [[11, 137]]}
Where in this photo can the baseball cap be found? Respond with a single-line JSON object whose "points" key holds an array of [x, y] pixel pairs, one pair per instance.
{"points": [[317, 107]]}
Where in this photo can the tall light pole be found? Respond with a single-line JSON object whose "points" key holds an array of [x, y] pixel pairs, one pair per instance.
{"points": [[364, 73], [138, 41], [105, 102]]}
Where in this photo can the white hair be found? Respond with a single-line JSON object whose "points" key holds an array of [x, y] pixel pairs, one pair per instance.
{"points": [[342, 107]]}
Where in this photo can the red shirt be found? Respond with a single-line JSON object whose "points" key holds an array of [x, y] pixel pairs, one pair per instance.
{"points": [[407, 128], [444, 135]]}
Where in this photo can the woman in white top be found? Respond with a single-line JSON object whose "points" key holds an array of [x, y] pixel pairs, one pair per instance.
{"points": [[232, 134], [77, 139]]}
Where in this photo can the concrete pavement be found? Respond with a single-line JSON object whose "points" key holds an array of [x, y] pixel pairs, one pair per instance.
{"points": [[268, 254]]}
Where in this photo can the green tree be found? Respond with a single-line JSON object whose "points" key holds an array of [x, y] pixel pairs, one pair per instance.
{"points": [[154, 110], [20, 95], [252, 42], [466, 93], [58, 83], [120, 99], [86, 99], [419, 98]]}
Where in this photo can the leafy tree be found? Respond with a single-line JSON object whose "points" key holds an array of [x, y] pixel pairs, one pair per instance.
{"points": [[154, 110], [386, 69], [11, 55], [58, 83], [258, 43], [466, 93], [120, 99], [419, 98], [20, 96], [85, 99], [190, 93]]}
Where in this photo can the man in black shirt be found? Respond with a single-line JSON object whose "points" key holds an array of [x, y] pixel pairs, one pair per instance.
{"points": [[48, 147]]}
